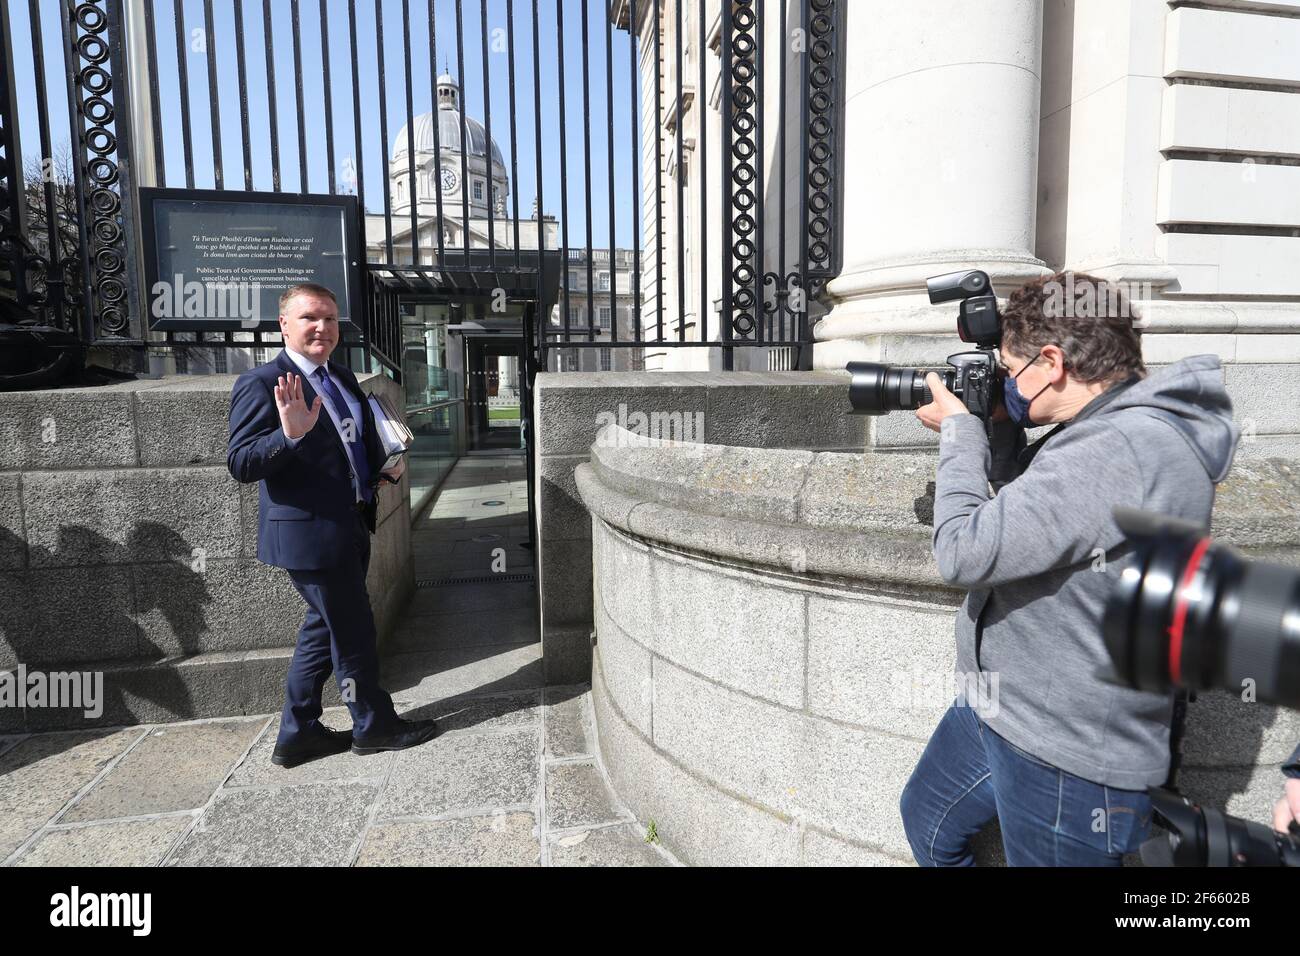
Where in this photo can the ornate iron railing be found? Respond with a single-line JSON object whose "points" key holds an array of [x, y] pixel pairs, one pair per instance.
{"points": [[718, 259]]}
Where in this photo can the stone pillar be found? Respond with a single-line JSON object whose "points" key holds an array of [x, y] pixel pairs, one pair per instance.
{"points": [[941, 124], [1101, 112]]}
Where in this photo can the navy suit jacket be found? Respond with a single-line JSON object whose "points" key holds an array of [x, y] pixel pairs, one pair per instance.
{"points": [[306, 504]]}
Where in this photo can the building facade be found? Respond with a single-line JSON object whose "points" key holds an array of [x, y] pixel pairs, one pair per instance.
{"points": [[1151, 143], [603, 310]]}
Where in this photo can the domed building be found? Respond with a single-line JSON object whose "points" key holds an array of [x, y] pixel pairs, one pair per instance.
{"points": [[473, 180], [437, 139], [454, 343]]}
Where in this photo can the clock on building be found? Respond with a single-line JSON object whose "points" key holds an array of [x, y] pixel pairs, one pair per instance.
{"points": [[449, 179]]}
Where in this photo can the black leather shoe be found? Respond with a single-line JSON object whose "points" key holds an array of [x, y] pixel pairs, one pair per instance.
{"points": [[312, 747], [406, 733]]}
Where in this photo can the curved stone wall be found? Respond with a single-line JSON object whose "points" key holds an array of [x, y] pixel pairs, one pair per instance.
{"points": [[774, 646]]}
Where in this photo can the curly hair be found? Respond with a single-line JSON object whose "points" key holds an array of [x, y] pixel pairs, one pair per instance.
{"points": [[1089, 319]]}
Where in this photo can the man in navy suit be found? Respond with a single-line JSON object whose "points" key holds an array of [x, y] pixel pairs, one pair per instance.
{"points": [[319, 476]]}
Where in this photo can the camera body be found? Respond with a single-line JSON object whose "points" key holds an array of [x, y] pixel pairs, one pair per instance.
{"points": [[876, 388]]}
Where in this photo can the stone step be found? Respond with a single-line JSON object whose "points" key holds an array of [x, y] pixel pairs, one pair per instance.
{"points": [[212, 684]]}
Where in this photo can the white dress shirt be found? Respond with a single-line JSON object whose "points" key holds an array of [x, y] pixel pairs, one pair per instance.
{"points": [[308, 368]]}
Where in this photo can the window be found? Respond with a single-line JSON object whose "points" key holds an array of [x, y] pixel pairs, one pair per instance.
{"points": [[219, 364], [602, 281], [573, 280], [478, 190], [603, 317], [571, 360], [605, 361], [575, 317], [182, 359]]}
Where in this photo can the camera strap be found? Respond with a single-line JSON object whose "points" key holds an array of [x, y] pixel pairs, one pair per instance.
{"points": [[1027, 454], [1177, 729]]}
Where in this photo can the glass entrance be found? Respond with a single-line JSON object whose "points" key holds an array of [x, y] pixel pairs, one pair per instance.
{"points": [[434, 397], [493, 365]]}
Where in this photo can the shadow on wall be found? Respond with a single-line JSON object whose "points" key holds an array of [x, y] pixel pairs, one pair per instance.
{"points": [[923, 506], [82, 603]]}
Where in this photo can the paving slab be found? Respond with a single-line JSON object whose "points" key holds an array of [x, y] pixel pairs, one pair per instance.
{"points": [[472, 566], [435, 675], [486, 551], [566, 727], [504, 839], [456, 774], [475, 714], [507, 626], [174, 768], [43, 772], [122, 843], [489, 596], [577, 796], [311, 825], [504, 554], [622, 845], [258, 771]]}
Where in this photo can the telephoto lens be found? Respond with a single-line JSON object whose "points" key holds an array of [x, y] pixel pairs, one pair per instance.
{"points": [[1204, 836], [1190, 613], [875, 389]]}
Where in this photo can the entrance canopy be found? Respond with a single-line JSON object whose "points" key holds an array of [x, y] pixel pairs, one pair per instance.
{"points": [[483, 274]]}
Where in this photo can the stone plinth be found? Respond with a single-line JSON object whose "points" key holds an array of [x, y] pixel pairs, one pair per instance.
{"points": [[774, 646], [768, 409]]}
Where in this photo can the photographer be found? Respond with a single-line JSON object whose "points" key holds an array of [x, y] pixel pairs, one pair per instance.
{"points": [[1061, 757]]}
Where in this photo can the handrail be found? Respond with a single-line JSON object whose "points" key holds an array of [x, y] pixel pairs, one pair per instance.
{"points": [[435, 406]]}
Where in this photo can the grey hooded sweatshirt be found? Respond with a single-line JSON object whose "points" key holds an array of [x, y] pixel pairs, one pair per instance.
{"points": [[1041, 557]]}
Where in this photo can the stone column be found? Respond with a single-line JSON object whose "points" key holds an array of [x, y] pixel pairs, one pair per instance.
{"points": [[941, 139]]}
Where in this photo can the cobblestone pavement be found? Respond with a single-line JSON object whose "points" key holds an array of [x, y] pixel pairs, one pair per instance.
{"points": [[511, 780]]}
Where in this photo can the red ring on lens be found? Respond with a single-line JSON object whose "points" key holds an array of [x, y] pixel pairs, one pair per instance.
{"points": [[1180, 611]]}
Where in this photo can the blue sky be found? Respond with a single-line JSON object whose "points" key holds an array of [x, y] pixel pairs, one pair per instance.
{"points": [[570, 166]]}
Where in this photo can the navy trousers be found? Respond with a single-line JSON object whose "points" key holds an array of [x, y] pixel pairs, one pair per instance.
{"points": [[337, 636]]}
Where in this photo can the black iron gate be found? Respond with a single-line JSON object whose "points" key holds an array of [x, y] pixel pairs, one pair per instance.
{"points": [[713, 111], [66, 233]]}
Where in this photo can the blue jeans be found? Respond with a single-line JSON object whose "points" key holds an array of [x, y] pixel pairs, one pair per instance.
{"points": [[968, 774]]}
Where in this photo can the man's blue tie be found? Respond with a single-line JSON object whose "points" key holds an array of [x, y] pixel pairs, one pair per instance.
{"points": [[356, 445]]}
